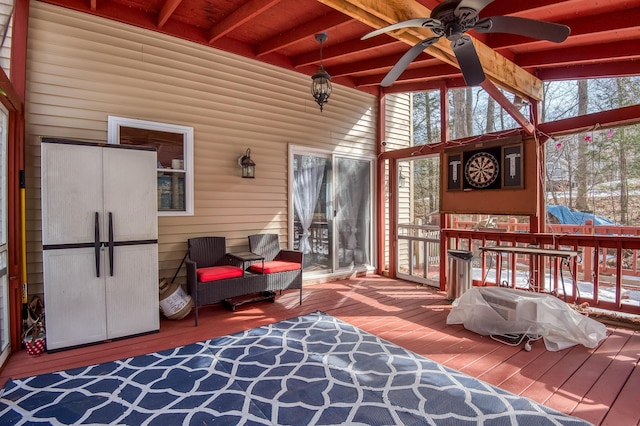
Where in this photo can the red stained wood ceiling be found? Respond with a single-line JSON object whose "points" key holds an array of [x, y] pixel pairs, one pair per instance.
{"points": [[604, 40]]}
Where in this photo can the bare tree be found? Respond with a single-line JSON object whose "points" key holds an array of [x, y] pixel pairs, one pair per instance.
{"points": [[491, 111], [460, 126], [468, 110], [582, 171]]}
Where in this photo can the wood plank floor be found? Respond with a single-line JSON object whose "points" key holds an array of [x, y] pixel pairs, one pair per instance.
{"points": [[600, 385]]}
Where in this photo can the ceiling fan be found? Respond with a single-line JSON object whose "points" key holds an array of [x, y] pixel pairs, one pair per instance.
{"points": [[451, 19]]}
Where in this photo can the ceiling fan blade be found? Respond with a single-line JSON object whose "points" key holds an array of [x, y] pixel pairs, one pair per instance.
{"points": [[540, 30], [476, 5], [406, 59], [468, 60], [417, 23]]}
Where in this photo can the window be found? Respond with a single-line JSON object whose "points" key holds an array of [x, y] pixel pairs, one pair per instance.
{"points": [[174, 145]]}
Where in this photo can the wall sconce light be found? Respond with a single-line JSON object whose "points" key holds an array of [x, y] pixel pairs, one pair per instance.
{"points": [[247, 164], [321, 80]]}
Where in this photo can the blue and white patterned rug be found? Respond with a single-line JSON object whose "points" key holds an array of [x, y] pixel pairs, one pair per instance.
{"points": [[313, 369]]}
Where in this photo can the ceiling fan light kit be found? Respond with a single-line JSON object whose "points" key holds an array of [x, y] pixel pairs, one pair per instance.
{"points": [[452, 19]]}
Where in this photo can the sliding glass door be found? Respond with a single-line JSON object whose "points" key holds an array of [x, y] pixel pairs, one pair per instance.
{"points": [[313, 211], [331, 204], [353, 212]]}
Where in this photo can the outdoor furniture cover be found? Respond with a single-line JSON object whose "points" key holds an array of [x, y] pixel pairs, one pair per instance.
{"points": [[503, 311]]}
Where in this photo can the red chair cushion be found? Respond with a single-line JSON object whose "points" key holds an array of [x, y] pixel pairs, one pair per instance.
{"points": [[275, 266], [214, 273]]}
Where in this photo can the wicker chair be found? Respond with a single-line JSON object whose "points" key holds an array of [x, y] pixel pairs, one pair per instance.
{"points": [[282, 268], [213, 277]]}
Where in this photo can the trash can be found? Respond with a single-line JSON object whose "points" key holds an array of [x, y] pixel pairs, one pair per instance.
{"points": [[458, 273]]}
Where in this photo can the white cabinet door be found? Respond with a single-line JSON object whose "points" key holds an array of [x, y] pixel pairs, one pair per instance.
{"points": [[74, 298], [71, 194], [132, 291], [130, 193], [130, 196]]}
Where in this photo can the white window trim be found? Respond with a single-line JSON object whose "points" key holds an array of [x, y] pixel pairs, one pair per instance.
{"points": [[113, 137]]}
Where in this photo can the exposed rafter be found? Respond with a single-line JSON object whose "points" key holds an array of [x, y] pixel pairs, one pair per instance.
{"points": [[167, 10], [508, 106], [240, 16], [377, 14], [307, 29], [349, 48]]}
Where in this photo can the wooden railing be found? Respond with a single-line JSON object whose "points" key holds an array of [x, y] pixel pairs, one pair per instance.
{"points": [[604, 275], [419, 253], [606, 264]]}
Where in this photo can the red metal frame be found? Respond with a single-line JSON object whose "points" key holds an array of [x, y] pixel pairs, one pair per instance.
{"points": [[16, 167]]}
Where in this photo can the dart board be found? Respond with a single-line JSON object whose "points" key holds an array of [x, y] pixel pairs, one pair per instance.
{"points": [[481, 169]]}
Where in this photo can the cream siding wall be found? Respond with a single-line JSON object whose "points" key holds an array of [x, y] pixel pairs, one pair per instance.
{"points": [[82, 69], [6, 29], [399, 134]]}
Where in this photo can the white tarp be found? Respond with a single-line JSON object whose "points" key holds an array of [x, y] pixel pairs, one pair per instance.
{"points": [[499, 310]]}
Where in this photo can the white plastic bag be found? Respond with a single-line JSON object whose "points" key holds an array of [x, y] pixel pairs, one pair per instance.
{"points": [[499, 310]]}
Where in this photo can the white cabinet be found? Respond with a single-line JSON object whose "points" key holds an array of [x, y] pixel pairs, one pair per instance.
{"points": [[99, 236]]}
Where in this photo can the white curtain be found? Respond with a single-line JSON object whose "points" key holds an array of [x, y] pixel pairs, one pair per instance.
{"points": [[350, 196], [353, 200], [307, 184]]}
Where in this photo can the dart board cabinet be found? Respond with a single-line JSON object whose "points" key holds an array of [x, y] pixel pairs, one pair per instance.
{"points": [[476, 178]]}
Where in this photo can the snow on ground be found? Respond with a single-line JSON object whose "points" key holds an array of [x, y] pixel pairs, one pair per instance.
{"points": [[585, 289]]}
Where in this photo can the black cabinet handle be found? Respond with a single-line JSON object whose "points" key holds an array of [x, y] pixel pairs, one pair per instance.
{"points": [[110, 243], [96, 243]]}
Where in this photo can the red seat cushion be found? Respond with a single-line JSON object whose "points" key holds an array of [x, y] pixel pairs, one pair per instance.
{"points": [[214, 273], [275, 266]]}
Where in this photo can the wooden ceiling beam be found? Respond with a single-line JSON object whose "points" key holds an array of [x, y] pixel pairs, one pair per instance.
{"points": [[499, 69], [341, 50], [307, 29], [438, 72], [580, 27], [243, 14], [617, 117], [594, 70], [167, 10], [423, 86], [380, 65], [606, 52], [508, 106]]}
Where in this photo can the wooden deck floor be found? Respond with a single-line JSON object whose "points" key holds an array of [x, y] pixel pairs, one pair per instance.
{"points": [[600, 385]]}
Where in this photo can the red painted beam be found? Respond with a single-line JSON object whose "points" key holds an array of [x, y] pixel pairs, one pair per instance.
{"points": [[349, 48], [167, 10], [530, 7], [592, 26], [606, 52], [15, 162], [617, 117], [437, 72], [243, 14], [600, 70], [422, 86], [380, 178], [301, 32], [508, 106], [381, 64]]}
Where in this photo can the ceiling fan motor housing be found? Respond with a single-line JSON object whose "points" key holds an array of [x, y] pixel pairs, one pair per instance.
{"points": [[453, 24]]}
